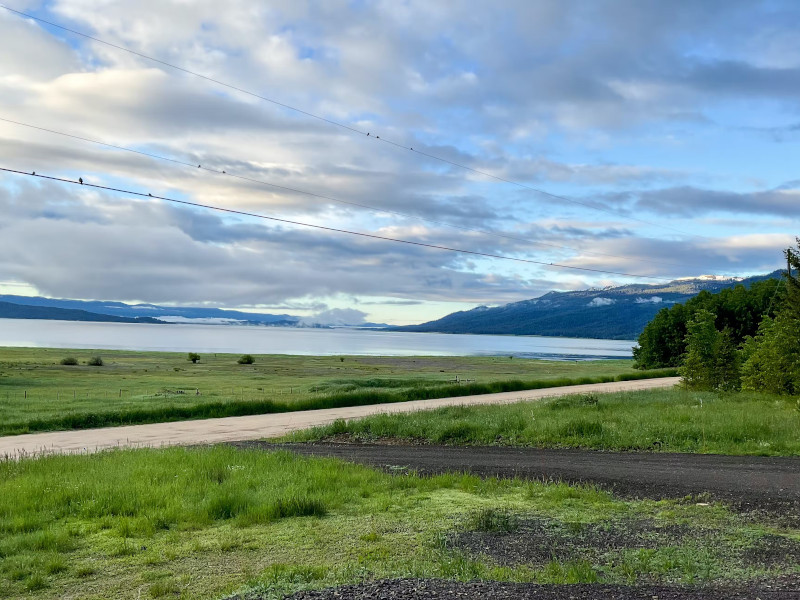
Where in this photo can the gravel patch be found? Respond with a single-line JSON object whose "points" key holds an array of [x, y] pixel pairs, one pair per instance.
{"points": [[538, 541], [424, 589]]}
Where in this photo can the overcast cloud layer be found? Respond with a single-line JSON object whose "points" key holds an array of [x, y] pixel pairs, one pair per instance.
{"points": [[671, 128]]}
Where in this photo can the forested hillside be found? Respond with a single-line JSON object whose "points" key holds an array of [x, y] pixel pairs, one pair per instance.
{"points": [[9, 310], [611, 313]]}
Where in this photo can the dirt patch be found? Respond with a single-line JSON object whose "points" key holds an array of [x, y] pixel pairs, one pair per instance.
{"points": [[773, 550], [425, 589], [538, 541]]}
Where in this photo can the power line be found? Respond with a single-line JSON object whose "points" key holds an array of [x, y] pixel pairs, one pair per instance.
{"points": [[323, 196], [324, 228], [347, 127], [775, 293]]}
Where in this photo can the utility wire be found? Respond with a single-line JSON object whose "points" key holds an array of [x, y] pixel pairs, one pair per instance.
{"points": [[323, 196], [775, 293], [324, 228], [349, 128]]}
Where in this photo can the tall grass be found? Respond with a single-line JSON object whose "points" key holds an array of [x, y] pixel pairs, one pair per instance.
{"points": [[656, 420], [357, 397]]}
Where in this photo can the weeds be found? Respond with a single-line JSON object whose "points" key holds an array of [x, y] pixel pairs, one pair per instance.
{"points": [[655, 420]]}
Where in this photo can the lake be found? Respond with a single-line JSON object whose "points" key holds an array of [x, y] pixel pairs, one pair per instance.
{"points": [[288, 340]]}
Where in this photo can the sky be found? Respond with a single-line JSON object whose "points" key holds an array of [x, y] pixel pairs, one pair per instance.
{"points": [[664, 136]]}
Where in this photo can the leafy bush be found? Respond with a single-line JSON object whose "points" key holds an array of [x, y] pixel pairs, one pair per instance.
{"points": [[246, 359], [95, 361], [69, 361], [194, 357]]}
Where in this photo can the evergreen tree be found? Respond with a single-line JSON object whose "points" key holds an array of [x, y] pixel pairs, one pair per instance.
{"points": [[662, 343], [727, 363], [792, 306], [699, 361], [772, 357]]}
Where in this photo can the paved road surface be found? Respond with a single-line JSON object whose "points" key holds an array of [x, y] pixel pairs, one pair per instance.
{"points": [[272, 425]]}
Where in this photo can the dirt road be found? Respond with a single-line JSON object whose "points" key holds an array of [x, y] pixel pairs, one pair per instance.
{"points": [[272, 425]]}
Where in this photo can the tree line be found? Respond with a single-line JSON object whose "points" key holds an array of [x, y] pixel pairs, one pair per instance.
{"points": [[739, 338]]}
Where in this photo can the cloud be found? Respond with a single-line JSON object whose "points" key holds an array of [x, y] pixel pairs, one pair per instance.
{"points": [[692, 201], [96, 246], [621, 105], [337, 316], [600, 301]]}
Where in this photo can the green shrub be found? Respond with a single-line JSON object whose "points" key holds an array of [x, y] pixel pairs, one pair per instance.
{"points": [[69, 361], [194, 357], [246, 359], [95, 361]]}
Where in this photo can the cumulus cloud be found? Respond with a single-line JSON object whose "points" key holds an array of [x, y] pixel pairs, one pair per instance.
{"points": [[594, 101]]}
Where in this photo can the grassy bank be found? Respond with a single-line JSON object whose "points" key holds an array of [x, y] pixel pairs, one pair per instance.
{"points": [[204, 522], [656, 420], [37, 393]]}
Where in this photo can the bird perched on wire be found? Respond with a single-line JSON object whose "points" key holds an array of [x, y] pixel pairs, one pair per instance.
{"points": [[33, 173], [80, 180]]}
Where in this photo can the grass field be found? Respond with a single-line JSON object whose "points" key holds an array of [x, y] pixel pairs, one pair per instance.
{"points": [[37, 393], [205, 522], [656, 420]]}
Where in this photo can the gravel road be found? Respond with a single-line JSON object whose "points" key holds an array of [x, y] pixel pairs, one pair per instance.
{"points": [[749, 482]]}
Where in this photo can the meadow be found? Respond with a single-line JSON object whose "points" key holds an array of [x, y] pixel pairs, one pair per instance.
{"points": [[38, 393], [204, 523], [676, 420]]}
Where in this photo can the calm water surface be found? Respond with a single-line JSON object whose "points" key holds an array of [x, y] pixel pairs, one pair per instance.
{"points": [[287, 340]]}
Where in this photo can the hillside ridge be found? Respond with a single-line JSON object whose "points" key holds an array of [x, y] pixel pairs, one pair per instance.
{"points": [[609, 313]]}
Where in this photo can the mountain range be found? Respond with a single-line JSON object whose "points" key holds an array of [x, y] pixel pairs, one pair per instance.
{"points": [[610, 313], [10, 310], [37, 307]]}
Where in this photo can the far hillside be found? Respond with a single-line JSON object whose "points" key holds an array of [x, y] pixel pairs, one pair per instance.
{"points": [[10, 310], [618, 313]]}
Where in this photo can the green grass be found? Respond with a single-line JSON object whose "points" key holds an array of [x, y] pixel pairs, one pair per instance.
{"points": [[205, 522], [656, 420], [38, 393]]}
